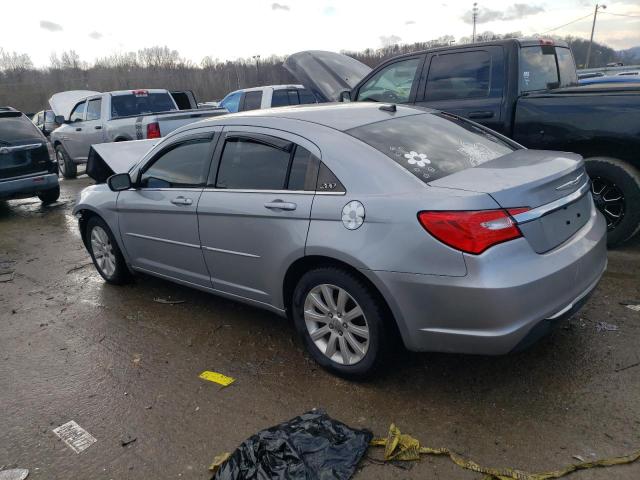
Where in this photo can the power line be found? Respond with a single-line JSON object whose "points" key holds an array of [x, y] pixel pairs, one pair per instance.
{"points": [[622, 15], [573, 21]]}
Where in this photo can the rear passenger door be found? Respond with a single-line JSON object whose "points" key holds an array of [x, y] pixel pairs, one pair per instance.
{"points": [[254, 213], [468, 83]]}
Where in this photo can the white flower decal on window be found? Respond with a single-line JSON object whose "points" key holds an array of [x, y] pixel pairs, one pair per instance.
{"points": [[415, 158]]}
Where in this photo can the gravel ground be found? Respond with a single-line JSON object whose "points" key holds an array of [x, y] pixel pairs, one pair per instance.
{"points": [[126, 367]]}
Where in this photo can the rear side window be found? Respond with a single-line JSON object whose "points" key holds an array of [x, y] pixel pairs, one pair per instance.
{"points": [[15, 128], [280, 98], [93, 109], [246, 164], [252, 100], [78, 112], [432, 146], [391, 84], [306, 96], [459, 75], [140, 103], [182, 166], [253, 165]]}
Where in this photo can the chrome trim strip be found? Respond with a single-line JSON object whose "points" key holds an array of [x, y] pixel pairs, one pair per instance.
{"points": [[542, 210], [29, 175], [19, 148], [163, 240], [232, 252], [570, 183], [273, 192]]}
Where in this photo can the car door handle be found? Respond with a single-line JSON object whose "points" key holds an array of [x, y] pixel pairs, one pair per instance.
{"points": [[280, 205], [98, 127], [181, 201], [480, 114], [78, 129]]}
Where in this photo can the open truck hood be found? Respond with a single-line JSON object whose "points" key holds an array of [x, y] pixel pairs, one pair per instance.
{"points": [[61, 103], [326, 74], [106, 159]]}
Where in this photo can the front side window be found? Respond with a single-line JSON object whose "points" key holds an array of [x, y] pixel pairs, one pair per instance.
{"points": [[432, 146], [306, 96], [181, 166], [77, 115], [93, 109], [140, 103], [252, 100], [391, 84], [459, 75], [231, 102]]}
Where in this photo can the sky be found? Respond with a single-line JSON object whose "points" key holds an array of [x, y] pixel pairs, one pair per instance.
{"points": [[231, 29]]}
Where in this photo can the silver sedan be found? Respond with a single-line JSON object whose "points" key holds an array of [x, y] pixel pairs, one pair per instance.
{"points": [[359, 222]]}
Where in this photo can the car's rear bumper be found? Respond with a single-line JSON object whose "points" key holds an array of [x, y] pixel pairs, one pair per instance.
{"points": [[508, 291], [28, 185]]}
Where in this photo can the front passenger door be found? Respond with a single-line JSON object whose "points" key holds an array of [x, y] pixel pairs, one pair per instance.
{"points": [[74, 131], [158, 220]]}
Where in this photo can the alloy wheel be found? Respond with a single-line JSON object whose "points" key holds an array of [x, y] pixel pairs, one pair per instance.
{"points": [[336, 324], [609, 199], [103, 251]]}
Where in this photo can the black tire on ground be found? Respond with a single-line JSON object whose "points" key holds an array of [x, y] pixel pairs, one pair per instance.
{"points": [[622, 178], [121, 273], [50, 196], [66, 166], [371, 305]]}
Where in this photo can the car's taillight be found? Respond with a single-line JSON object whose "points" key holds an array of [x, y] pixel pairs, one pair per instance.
{"points": [[471, 231], [153, 130]]}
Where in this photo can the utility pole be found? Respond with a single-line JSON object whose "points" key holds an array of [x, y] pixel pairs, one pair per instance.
{"points": [[257, 59], [593, 27], [475, 17]]}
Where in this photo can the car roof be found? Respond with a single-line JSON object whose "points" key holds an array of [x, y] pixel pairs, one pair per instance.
{"points": [[339, 116], [274, 87]]}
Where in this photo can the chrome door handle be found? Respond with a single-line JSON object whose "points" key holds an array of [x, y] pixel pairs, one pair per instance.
{"points": [[78, 129], [280, 205], [181, 201]]}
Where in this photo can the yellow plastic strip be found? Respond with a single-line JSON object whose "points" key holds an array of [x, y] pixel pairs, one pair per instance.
{"points": [[217, 378]]}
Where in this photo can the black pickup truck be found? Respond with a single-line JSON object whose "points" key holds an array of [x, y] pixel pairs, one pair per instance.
{"points": [[524, 89]]}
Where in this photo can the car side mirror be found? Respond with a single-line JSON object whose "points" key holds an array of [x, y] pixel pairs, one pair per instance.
{"points": [[60, 120], [345, 96], [119, 182]]}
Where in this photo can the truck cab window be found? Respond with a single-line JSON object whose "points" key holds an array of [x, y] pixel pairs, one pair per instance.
{"points": [[93, 109], [459, 76], [391, 84], [77, 115]]}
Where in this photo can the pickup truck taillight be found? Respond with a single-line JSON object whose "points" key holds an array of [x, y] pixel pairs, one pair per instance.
{"points": [[153, 130], [472, 231]]}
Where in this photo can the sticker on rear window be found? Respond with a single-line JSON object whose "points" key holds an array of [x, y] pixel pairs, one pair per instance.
{"points": [[476, 153]]}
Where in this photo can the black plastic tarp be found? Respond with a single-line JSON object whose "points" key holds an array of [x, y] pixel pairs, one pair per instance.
{"points": [[308, 447]]}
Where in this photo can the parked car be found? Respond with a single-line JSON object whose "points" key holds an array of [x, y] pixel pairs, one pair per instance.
{"points": [[608, 79], [357, 221], [266, 97], [524, 89], [26, 169], [91, 117], [45, 120]]}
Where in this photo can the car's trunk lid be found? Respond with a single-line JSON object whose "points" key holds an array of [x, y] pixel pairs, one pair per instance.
{"points": [[539, 181], [326, 74]]}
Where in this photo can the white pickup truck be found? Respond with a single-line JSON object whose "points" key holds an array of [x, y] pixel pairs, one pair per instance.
{"points": [[89, 118]]}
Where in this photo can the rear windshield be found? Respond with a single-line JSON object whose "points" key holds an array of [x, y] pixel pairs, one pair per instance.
{"points": [[140, 104], [545, 67], [432, 146], [15, 127]]}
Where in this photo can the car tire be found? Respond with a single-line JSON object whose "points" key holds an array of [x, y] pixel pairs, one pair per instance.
{"points": [[66, 167], [50, 196], [613, 179], [322, 331], [105, 253]]}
